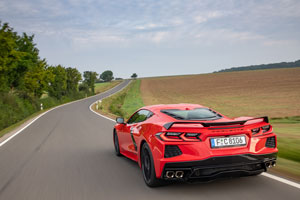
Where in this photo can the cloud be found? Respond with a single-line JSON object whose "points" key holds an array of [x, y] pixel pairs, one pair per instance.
{"points": [[207, 16], [147, 26], [134, 22], [158, 37]]}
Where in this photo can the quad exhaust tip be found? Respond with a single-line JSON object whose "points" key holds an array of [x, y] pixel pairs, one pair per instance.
{"points": [[179, 174], [174, 174], [270, 164], [170, 174]]}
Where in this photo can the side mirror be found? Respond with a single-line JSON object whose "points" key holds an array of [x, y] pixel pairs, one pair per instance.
{"points": [[120, 120]]}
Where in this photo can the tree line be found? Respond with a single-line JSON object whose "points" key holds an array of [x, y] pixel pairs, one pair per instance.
{"points": [[263, 66], [27, 81]]}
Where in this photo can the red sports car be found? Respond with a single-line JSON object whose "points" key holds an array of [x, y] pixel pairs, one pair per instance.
{"points": [[192, 142]]}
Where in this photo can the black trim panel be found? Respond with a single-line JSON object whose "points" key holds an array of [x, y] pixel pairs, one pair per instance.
{"points": [[245, 164], [224, 160]]}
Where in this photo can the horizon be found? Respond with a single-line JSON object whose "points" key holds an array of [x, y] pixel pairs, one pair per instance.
{"points": [[162, 38]]}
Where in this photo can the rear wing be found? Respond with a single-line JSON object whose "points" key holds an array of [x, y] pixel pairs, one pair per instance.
{"points": [[209, 124]]}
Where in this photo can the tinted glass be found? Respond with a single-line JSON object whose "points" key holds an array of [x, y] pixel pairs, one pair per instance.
{"points": [[195, 114], [140, 116]]}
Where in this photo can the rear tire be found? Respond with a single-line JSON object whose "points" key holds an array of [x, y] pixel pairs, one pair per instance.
{"points": [[116, 144], [148, 167]]}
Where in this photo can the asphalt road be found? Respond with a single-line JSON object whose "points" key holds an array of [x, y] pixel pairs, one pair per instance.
{"points": [[68, 154]]}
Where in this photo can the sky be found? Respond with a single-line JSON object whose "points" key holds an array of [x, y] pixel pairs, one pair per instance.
{"points": [[158, 37]]}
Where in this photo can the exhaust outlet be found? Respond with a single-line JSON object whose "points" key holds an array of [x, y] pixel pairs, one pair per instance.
{"points": [[273, 163], [179, 174], [170, 174], [268, 165]]}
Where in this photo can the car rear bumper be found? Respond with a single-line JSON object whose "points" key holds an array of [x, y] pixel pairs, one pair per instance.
{"points": [[220, 166]]}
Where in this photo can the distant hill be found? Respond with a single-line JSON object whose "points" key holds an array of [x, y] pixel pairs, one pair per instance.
{"points": [[263, 66]]}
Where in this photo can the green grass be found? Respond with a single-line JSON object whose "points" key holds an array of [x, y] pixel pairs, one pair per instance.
{"points": [[287, 168], [133, 99], [287, 120], [124, 103], [101, 87], [12, 127], [288, 132]]}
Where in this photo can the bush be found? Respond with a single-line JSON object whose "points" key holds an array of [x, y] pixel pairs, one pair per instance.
{"points": [[16, 107]]}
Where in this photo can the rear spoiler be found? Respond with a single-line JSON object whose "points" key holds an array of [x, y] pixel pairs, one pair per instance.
{"points": [[209, 124]]}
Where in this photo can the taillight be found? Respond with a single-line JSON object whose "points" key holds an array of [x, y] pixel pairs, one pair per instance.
{"points": [[178, 136], [255, 131], [263, 128], [266, 128]]}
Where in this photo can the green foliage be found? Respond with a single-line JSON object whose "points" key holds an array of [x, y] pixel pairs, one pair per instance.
{"points": [[89, 79], [134, 75], [116, 105], [58, 86], [84, 88], [9, 57], [107, 76], [263, 66], [14, 109], [24, 77], [73, 77], [125, 102]]}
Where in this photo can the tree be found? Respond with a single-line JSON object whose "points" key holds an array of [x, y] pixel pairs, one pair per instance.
{"points": [[58, 85], [73, 78], [90, 78], [107, 76], [9, 56], [28, 62], [35, 79], [134, 75]]}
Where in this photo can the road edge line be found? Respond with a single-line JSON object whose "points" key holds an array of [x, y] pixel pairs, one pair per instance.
{"points": [[282, 180], [42, 114], [90, 107]]}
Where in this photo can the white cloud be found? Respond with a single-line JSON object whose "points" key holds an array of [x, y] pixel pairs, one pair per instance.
{"points": [[158, 37], [205, 16], [147, 26], [200, 19]]}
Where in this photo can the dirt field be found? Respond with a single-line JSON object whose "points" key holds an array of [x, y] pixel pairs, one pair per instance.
{"points": [[275, 92]]}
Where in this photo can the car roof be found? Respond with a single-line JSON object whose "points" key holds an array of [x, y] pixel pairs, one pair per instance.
{"points": [[181, 106]]}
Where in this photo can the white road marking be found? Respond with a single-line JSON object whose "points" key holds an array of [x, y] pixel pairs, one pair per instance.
{"points": [[277, 178], [39, 116], [90, 107]]}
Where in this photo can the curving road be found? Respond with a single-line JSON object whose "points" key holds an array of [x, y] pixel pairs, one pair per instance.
{"points": [[68, 154]]}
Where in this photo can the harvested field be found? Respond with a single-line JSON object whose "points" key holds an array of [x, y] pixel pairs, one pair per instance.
{"points": [[275, 92]]}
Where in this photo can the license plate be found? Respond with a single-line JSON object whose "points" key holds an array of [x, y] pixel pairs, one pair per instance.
{"points": [[228, 141]]}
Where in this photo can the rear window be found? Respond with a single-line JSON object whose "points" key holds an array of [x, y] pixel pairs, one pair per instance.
{"points": [[195, 114]]}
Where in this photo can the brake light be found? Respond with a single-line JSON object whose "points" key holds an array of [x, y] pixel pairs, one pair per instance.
{"points": [[266, 128], [255, 131], [178, 136], [263, 128]]}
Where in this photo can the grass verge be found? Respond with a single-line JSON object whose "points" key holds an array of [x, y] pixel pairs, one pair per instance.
{"points": [[49, 102], [123, 103], [101, 87], [12, 127], [288, 137]]}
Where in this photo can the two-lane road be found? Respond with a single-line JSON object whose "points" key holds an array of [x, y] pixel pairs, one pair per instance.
{"points": [[68, 154]]}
